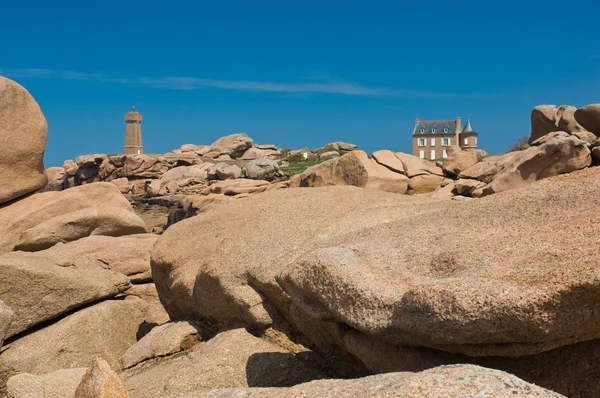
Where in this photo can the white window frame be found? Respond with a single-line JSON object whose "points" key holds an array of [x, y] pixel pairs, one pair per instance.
{"points": [[432, 142], [433, 130], [444, 154], [445, 129], [421, 130], [445, 141], [422, 154], [466, 141], [422, 142], [432, 154]]}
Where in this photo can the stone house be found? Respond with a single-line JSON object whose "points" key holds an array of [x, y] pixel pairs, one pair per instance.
{"points": [[431, 138]]}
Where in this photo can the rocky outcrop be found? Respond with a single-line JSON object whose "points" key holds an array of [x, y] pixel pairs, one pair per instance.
{"points": [[59, 384], [235, 145], [551, 155], [414, 166], [263, 169], [233, 358], [441, 382], [100, 381], [458, 161], [163, 340], [23, 134], [589, 117], [42, 220], [354, 168], [6, 316], [103, 330], [548, 118], [39, 287], [512, 298], [224, 171]]}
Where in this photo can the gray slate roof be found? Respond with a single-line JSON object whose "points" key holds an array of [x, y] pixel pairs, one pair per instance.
{"points": [[469, 129], [438, 125]]}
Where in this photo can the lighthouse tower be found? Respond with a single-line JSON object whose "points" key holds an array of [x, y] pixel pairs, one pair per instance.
{"points": [[133, 133]]}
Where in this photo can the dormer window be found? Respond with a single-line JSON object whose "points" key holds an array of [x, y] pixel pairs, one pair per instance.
{"points": [[433, 130], [421, 130], [445, 129]]}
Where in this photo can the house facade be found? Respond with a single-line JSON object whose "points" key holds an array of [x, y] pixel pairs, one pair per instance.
{"points": [[431, 138]]}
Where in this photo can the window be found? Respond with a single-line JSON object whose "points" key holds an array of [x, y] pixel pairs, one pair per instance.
{"points": [[433, 130], [445, 141], [422, 154], [421, 130], [432, 157], [444, 154], [421, 142], [445, 129], [433, 142], [466, 141]]}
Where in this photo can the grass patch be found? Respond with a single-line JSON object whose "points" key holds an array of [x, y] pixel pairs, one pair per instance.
{"points": [[299, 167]]}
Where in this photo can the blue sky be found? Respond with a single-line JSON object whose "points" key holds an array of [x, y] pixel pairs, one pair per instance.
{"points": [[295, 74]]}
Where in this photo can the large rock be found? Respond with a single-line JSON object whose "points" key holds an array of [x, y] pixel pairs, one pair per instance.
{"points": [[415, 166], [589, 118], [56, 178], [100, 382], [183, 175], [233, 358], [388, 159], [224, 171], [364, 273], [458, 161], [155, 313], [424, 184], [59, 384], [6, 316], [44, 219], [235, 144], [441, 382], [104, 330], [163, 340], [261, 153], [556, 155], [240, 186], [262, 169], [548, 118], [354, 168], [23, 133], [41, 286]]}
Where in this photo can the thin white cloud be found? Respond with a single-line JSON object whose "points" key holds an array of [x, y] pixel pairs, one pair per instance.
{"points": [[320, 84]]}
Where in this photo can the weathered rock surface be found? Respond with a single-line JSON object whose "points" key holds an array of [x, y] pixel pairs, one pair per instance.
{"points": [[441, 382], [59, 384], [224, 171], [104, 330], [6, 316], [55, 176], [548, 118], [557, 155], [240, 186], [79, 224], [235, 144], [166, 339], [415, 166], [233, 358], [512, 297], [38, 215], [354, 168], [262, 169], [155, 314], [43, 285], [329, 155], [388, 159], [458, 161], [100, 381], [424, 184], [466, 187], [23, 134], [589, 117]]}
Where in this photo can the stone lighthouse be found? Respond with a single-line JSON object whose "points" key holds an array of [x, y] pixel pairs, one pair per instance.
{"points": [[133, 133]]}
